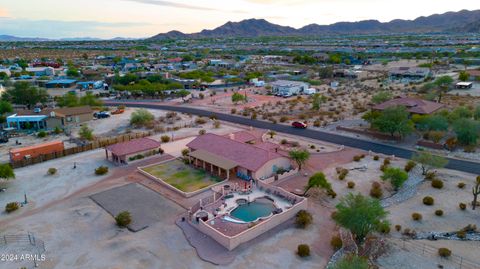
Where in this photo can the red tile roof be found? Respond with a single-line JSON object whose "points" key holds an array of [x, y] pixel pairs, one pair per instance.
{"points": [[133, 146], [245, 155], [413, 105]]}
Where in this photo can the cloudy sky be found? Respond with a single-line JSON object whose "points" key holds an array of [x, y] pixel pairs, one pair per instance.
{"points": [[143, 18]]}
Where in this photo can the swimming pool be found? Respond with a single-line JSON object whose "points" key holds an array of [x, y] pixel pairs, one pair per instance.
{"points": [[252, 211]]}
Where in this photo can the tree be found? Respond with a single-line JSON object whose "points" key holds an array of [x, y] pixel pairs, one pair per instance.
{"points": [[23, 93], [433, 123], [352, 262], [394, 120], [466, 131], [300, 157], [476, 113], [325, 72], [237, 97], [429, 161], [317, 99], [90, 100], [6, 172], [317, 180], [463, 76], [5, 107], [361, 215], [443, 83], [396, 176], [72, 72], [475, 192], [85, 133], [68, 100], [141, 117], [381, 97]]}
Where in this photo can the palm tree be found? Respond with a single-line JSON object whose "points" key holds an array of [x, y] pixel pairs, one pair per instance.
{"points": [[300, 157], [317, 180]]}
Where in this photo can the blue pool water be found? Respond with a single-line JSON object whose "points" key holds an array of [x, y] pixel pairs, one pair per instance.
{"points": [[252, 211]]}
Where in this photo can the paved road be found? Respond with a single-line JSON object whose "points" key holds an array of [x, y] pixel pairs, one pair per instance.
{"points": [[455, 164]]}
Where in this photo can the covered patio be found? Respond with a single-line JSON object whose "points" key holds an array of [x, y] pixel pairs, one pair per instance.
{"points": [[213, 164]]}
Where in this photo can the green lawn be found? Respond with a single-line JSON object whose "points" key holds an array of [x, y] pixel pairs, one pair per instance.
{"points": [[182, 176]]}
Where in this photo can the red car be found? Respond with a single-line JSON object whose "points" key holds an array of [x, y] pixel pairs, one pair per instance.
{"points": [[300, 125]]}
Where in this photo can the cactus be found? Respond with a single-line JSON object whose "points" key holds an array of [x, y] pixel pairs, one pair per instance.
{"points": [[475, 192]]}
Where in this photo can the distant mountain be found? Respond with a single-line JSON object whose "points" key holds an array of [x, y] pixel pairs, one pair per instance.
{"points": [[464, 21], [10, 38]]}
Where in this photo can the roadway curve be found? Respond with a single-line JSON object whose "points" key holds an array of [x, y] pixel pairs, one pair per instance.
{"points": [[454, 164]]}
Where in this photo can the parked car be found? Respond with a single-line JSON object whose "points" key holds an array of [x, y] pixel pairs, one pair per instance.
{"points": [[101, 115], [118, 111], [299, 125]]}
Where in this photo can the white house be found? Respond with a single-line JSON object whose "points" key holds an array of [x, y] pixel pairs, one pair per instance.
{"points": [[288, 88], [41, 71]]}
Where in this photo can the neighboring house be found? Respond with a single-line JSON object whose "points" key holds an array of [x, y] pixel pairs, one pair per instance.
{"points": [[288, 88], [41, 71], [87, 85], [413, 105], [19, 154], [61, 84], [49, 118], [227, 157], [122, 153], [409, 73]]}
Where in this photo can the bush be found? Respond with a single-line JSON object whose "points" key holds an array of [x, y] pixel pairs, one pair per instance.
{"points": [[376, 191], [233, 111], [409, 166], [123, 219], [461, 185], [462, 206], [85, 133], [461, 234], [383, 167], [42, 134], [141, 117], [165, 138], [398, 228], [386, 161], [376, 158], [331, 193], [216, 124], [102, 170], [10, 207], [439, 212], [417, 216], [357, 158], [444, 252], [336, 242], [428, 200], [384, 228], [343, 173], [430, 175], [52, 171], [351, 184], [437, 183], [303, 219], [200, 121], [303, 250], [57, 130], [202, 132]]}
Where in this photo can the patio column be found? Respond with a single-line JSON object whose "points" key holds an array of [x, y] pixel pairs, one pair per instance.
{"points": [[219, 172], [228, 174], [204, 165]]}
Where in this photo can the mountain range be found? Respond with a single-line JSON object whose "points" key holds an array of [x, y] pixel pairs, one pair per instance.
{"points": [[461, 21]]}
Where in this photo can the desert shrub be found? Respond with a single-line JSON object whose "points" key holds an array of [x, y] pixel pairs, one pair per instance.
{"points": [[428, 200], [101, 170], [398, 227], [123, 219], [462, 206], [376, 190], [461, 234], [357, 158], [336, 242], [200, 121], [376, 158], [410, 233], [283, 141], [471, 228], [233, 111], [430, 175], [444, 252], [384, 227], [12, 206], [42, 134], [351, 184], [165, 138], [386, 161], [409, 166], [439, 212], [437, 183], [303, 250], [216, 124], [141, 117], [52, 171], [461, 185], [343, 173], [202, 132], [185, 152], [331, 193], [417, 216], [283, 118], [383, 167], [303, 219]]}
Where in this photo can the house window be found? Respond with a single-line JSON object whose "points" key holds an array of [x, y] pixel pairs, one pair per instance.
{"points": [[69, 119]]}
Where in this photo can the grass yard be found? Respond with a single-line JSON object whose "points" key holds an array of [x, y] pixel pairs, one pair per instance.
{"points": [[182, 176]]}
